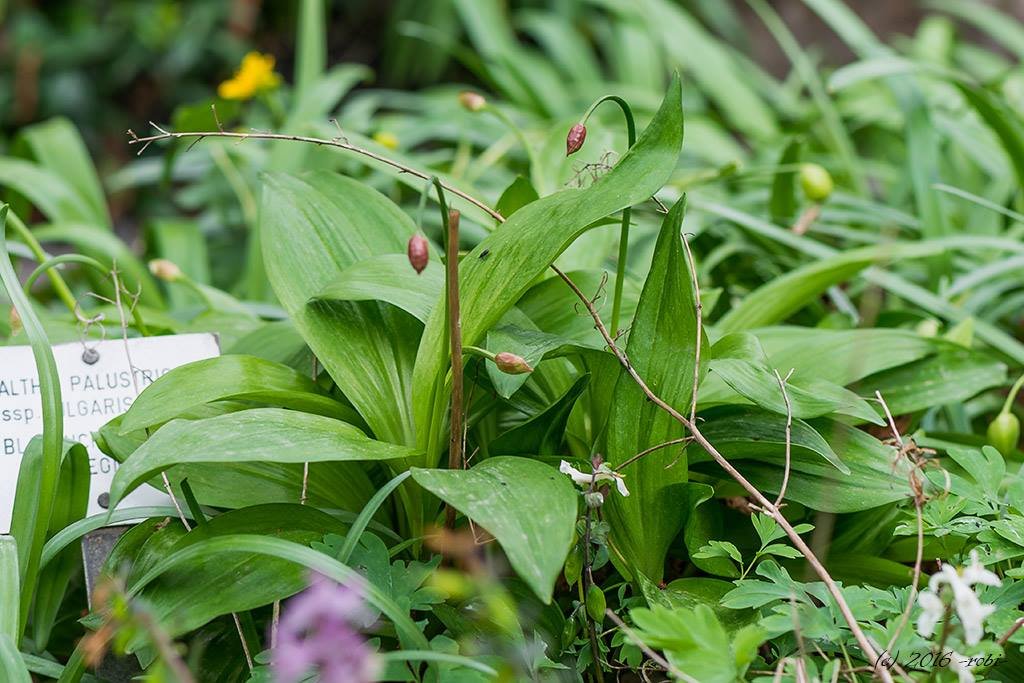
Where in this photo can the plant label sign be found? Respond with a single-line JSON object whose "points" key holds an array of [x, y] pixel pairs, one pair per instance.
{"points": [[98, 382]]}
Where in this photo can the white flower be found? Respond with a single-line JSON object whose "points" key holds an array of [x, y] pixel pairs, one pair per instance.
{"points": [[603, 473], [976, 573], [961, 666], [968, 607], [931, 611]]}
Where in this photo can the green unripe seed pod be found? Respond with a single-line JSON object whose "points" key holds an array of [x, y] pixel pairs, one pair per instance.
{"points": [[816, 182], [569, 631], [1004, 433], [574, 565], [596, 603]]}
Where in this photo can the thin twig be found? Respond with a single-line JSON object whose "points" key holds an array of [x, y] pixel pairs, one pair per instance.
{"points": [[798, 542], [340, 143], [700, 329], [647, 451], [658, 659], [1013, 629], [789, 435]]}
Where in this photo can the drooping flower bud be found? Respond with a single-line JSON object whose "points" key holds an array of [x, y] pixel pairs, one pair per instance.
{"points": [[816, 182], [511, 364], [165, 270], [575, 139], [472, 101], [1004, 433], [419, 252]]}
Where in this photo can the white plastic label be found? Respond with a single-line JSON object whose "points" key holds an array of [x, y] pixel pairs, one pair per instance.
{"points": [[92, 395]]}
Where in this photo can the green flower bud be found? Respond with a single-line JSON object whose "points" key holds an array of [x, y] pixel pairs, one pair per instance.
{"points": [[816, 182], [1004, 433], [596, 603]]}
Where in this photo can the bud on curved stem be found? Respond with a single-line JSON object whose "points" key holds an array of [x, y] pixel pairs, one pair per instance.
{"points": [[1004, 431], [419, 252], [575, 139], [511, 364], [620, 266]]}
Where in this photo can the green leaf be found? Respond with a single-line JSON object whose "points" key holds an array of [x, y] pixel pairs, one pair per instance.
{"points": [[521, 249], [222, 546], [12, 667], [313, 227], [808, 397], [781, 297], [10, 593], [229, 378], [186, 597], [516, 196], [543, 433], [501, 494], [36, 521], [391, 279], [871, 479], [784, 202], [661, 347], [56, 145], [951, 376], [270, 435]]}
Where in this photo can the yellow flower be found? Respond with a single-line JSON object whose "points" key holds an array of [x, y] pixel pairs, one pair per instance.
{"points": [[254, 75], [386, 139]]}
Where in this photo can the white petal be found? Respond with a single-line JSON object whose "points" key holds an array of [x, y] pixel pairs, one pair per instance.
{"points": [[961, 665], [976, 573], [577, 476], [931, 611], [621, 486]]}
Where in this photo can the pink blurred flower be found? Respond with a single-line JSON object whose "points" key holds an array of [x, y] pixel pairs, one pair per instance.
{"points": [[319, 630]]}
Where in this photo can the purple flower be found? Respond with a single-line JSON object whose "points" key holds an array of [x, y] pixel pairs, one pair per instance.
{"points": [[319, 630]]}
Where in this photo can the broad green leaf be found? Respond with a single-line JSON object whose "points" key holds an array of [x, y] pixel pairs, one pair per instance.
{"points": [[807, 397], [841, 356], [703, 524], [187, 597], [52, 195], [389, 278], [277, 341], [222, 546], [501, 494], [516, 196], [522, 248], [56, 145], [259, 435], [875, 475], [543, 433], [752, 433], [951, 376], [661, 348], [229, 378], [777, 300], [312, 228]]}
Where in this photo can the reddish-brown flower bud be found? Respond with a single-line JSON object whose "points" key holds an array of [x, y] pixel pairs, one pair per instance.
{"points": [[511, 364], [472, 101], [575, 139], [419, 252]]}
